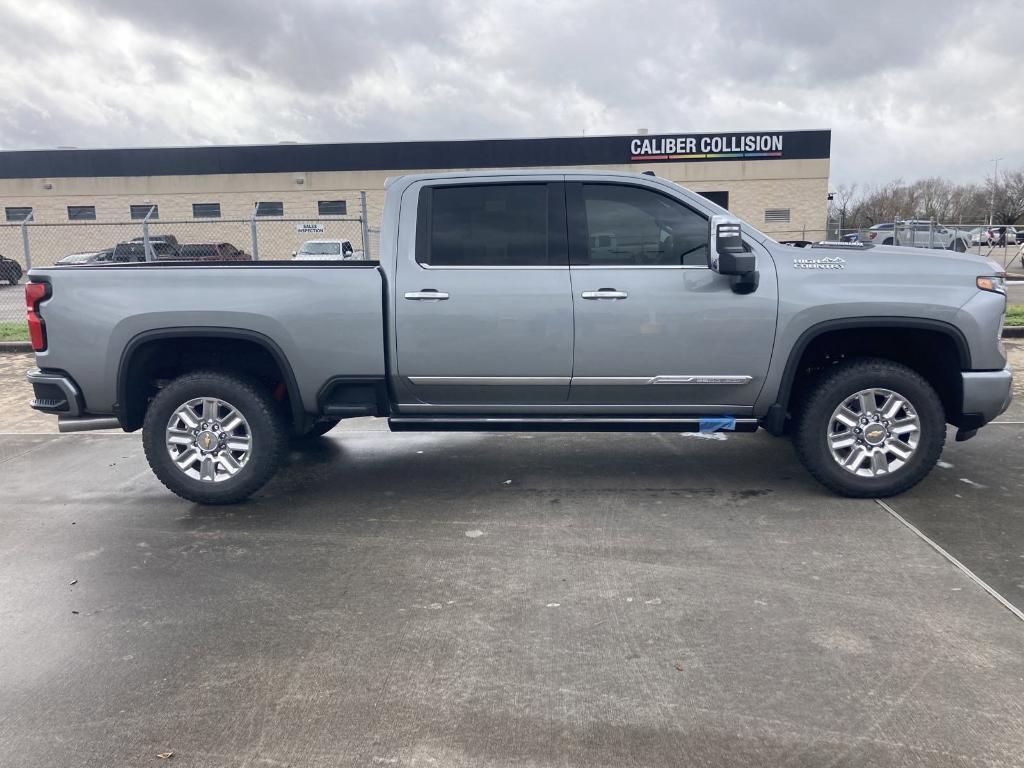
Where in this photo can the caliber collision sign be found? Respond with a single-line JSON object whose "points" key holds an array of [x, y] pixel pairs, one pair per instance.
{"points": [[708, 146]]}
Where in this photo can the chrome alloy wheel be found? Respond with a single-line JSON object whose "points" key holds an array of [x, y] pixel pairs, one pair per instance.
{"points": [[208, 439], [874, 432]]}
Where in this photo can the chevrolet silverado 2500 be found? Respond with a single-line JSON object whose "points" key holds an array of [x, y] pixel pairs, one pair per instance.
{"points": [[532, 301]]}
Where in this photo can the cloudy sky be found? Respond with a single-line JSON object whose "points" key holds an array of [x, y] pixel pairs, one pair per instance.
{"points": [[910, 88]]}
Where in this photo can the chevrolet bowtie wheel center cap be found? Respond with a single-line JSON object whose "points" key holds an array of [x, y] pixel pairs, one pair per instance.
{"points": [[874, 432], [208, 439]]}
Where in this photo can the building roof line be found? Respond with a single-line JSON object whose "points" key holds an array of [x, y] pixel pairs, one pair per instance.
{"points": [[398, 155]]}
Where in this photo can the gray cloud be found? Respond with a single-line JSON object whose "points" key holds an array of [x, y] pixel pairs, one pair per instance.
{"points": [[910, 89]]}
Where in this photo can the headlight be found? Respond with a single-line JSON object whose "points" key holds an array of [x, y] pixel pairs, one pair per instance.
{"points": [[993, 283]]}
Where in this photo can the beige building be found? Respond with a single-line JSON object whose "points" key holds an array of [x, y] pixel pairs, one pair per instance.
{"points": [[777, 181]]}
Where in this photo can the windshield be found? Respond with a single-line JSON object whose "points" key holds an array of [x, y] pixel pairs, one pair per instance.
{"points": [[321, 249]]}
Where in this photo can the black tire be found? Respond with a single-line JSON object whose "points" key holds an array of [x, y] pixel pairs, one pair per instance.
{"points": [[267, 433], [887, 242], [960, 246], [811, 430], [319, 429]]}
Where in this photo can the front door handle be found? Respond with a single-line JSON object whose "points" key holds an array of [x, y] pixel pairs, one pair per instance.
{"points": [[605, 293], [427, 294]]}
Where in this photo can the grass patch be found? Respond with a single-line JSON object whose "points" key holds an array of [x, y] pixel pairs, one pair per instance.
{"points": [[1015, 314], [19, 331]]}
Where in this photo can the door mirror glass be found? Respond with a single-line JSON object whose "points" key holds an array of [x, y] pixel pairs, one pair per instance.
{"points": [[729, 256]]}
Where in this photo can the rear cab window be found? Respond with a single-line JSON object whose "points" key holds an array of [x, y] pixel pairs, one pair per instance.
{"points": [[491, 226]]}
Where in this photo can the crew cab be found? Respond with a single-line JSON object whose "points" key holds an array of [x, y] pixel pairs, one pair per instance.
{"points": [[532, 301]]}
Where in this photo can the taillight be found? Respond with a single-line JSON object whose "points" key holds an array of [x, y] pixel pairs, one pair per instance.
{"points": [[35, 293]]}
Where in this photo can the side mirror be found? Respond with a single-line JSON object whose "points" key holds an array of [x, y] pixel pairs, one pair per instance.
{"points": [[729, 257]]}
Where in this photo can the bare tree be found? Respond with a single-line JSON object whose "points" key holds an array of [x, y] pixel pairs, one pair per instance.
{"points": [[841, 205], [934, 199], [1008, 197]]}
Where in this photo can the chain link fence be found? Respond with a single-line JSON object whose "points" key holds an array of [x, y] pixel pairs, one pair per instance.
{"points": [[260, 238]]}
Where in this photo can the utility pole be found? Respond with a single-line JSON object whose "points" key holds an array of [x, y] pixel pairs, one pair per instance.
{"points": [[992, 197]]}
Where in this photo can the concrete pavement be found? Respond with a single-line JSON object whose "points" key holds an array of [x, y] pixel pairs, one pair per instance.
{"points": [[498, 600]]}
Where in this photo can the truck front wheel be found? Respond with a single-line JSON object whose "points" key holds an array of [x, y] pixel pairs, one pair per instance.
{"points": [[870, 428], [213, 438]]}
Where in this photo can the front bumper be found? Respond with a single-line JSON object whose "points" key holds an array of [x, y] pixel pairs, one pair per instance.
{"points": [[986, 395], [55, 393]]}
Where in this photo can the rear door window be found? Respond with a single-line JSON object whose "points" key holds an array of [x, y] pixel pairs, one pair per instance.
{"points": [[486, 225]]}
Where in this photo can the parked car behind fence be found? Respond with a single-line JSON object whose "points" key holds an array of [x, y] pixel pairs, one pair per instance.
{"points": [[10, 270], [211, 252]]}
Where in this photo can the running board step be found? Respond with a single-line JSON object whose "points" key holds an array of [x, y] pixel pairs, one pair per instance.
{"points": [[549, 424]]}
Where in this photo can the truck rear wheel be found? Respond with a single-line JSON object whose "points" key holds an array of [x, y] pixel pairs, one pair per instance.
{"points": [[213, 438], [870, 428]]}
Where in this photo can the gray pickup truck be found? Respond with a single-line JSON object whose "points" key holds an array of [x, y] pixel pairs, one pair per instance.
{"points": [[532, 301]]}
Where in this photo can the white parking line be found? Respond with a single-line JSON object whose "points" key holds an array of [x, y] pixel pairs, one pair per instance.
{"points": [[967, 571]]}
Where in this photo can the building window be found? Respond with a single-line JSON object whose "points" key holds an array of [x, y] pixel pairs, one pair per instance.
{"points": [[17, 214], [205, 210], [331, 208], [81, 213], [776, 216], [140, 211], [270, 209]]}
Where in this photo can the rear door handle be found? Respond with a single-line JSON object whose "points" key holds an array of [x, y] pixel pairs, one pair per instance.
{"points": [[605, 293], [427, 294]]}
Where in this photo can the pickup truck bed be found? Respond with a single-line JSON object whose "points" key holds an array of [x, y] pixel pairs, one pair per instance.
{"points": [[324, 318]]}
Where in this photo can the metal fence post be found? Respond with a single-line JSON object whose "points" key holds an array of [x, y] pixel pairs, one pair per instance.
{"points": [[365, 225], [24, 239], [146, 248], [255, 238]]}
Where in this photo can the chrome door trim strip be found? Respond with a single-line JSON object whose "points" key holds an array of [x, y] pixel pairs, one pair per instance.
{"points": [[634, 381], [491, 381]]}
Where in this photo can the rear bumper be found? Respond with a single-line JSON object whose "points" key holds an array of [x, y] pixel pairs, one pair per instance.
{"points": [[55, 393], [986, 395]]}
